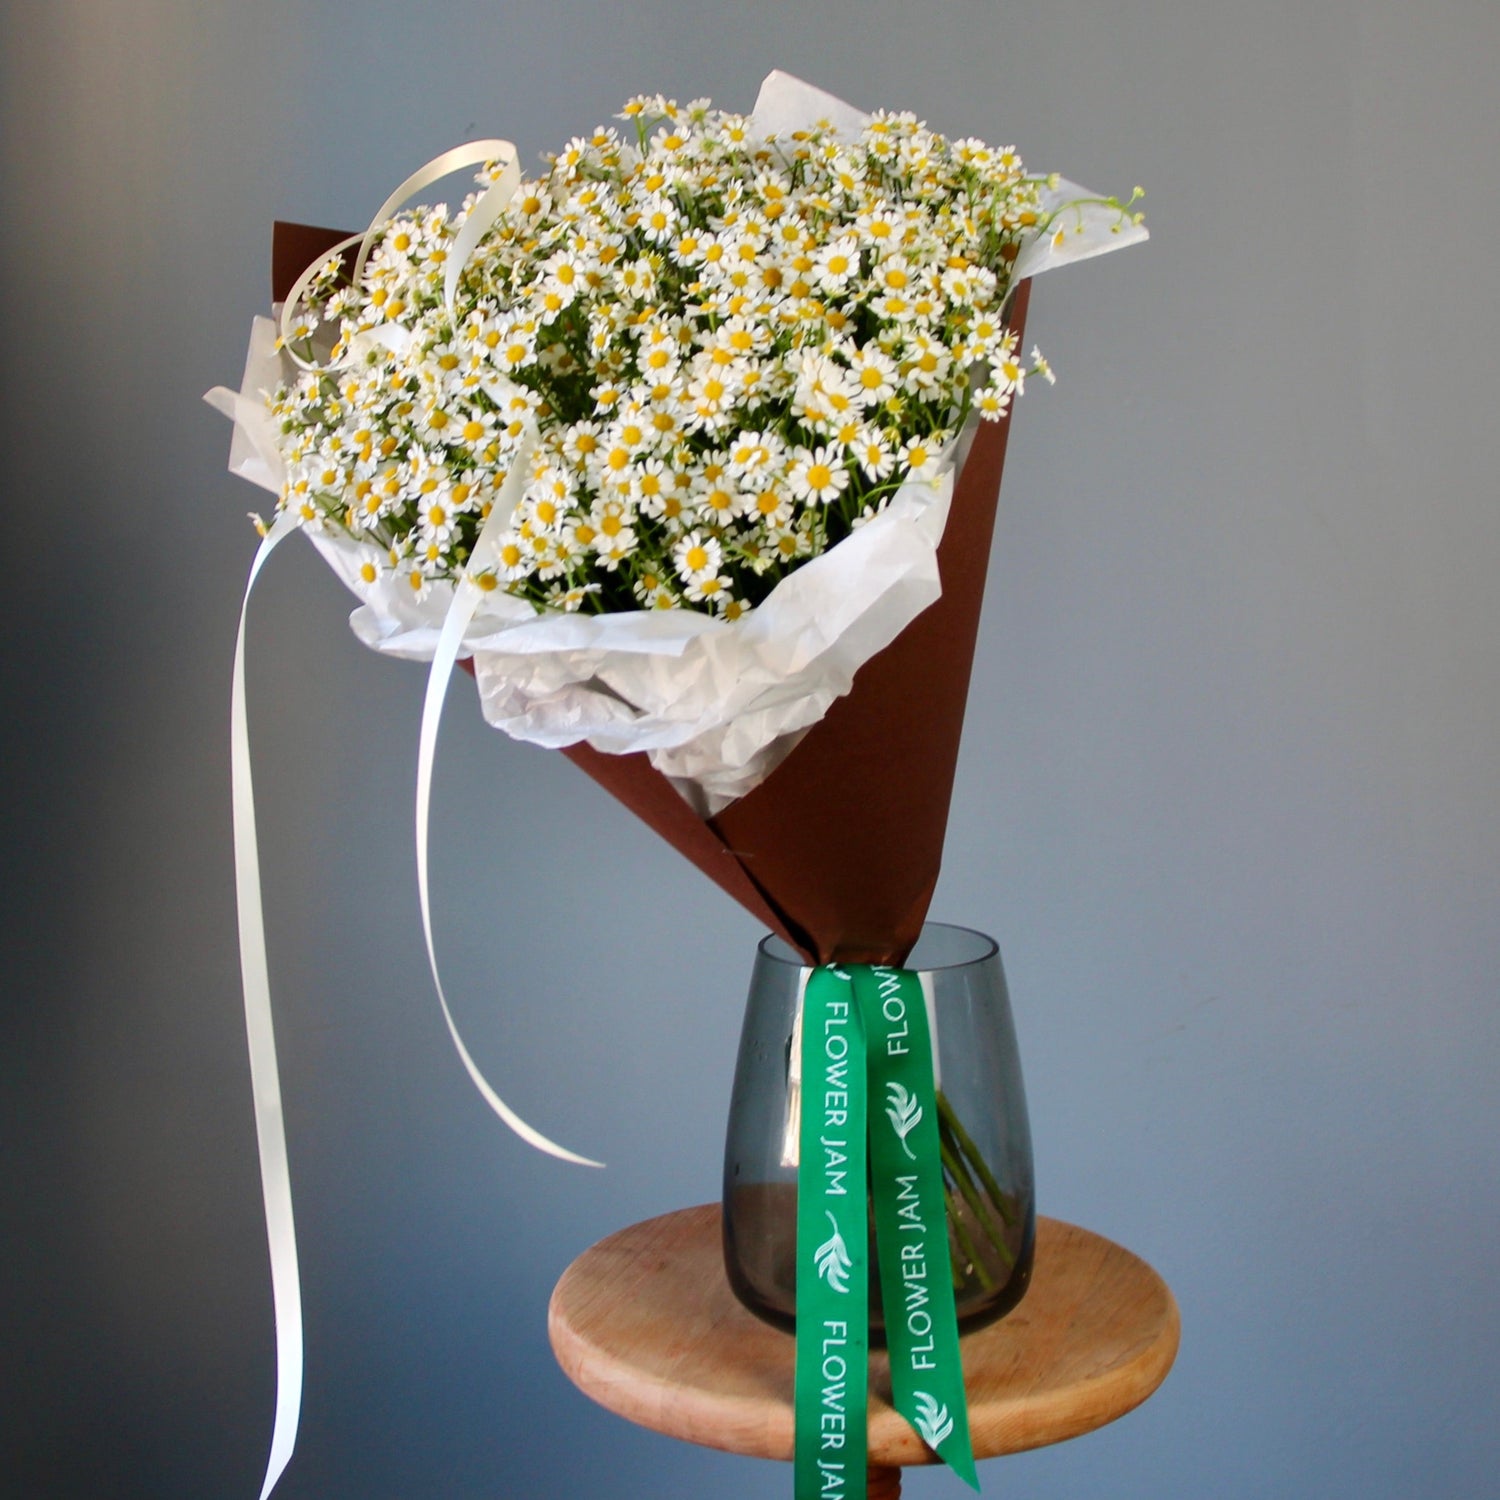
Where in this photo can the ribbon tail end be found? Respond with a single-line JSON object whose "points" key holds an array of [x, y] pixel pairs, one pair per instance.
{"points": [[962, 1464]]}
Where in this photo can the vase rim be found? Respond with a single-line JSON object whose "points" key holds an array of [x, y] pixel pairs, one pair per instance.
{"points": [[777, 950]]}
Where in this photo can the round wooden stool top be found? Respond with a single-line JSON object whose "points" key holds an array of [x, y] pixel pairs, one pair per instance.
{"points": [[645, 1324]]}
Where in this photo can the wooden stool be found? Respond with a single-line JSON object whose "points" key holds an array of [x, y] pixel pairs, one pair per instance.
{"points": [[645, 1324]]}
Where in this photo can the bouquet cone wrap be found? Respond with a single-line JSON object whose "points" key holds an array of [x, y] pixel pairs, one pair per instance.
{"points": [[838, 850]]}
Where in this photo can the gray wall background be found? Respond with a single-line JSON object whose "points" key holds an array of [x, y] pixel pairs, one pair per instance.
{"points": [[1228, 791]]}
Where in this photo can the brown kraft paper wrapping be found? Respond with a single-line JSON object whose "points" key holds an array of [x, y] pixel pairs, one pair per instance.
{"points": [[839, 849]]}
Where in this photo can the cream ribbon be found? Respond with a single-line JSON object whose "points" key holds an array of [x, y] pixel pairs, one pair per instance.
{"points": [[466, 599], [270, 1126], [270, 1123]]}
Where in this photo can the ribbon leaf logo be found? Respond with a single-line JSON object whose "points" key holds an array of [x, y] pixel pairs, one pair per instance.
{"points": [[903, 1112], [832, 1258], [933, 1421]]}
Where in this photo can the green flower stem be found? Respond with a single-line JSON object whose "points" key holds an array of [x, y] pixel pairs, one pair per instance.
{"points": [[971, 1151], [956, 1254], [965, 1241], [993, 1231]]}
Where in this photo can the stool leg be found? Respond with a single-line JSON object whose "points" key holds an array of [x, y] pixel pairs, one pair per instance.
{"points": [[883, 1484]]}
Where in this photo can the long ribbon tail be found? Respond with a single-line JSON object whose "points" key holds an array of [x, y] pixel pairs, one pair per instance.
{"points": [[831, 1397], [270, 1124], [466, 597], [911, 1224]]}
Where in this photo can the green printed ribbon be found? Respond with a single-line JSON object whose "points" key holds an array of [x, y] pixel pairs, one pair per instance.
{"points": [[865, 1036], [911, 1221], [833, 1272]]}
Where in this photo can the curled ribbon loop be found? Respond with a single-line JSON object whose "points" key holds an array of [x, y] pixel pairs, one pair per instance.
{"points": [[486, 209], [294, 297], [466, 597]]}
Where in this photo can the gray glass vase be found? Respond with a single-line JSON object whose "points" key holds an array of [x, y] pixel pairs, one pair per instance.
{"points": [[983, 1124]]}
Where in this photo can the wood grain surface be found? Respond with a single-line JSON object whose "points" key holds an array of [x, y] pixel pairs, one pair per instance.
{"points": [[646, 1325]]}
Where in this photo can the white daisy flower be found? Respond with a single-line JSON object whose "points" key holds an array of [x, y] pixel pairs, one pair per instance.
{"points": [[874, 375], [835, 263], [697, 558], [512, 556], [772, 506], [581, 443], [874, 454], [572, 598], [818, 475], [992, 404], [660, 219], [612, 551], [754, 458], [921, 456], [712, 589], [790, 543], [925, 365], [475, 430], [650, 483]]}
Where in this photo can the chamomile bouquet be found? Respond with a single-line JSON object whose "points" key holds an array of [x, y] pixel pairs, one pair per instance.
{"points": [[727, 349]]}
